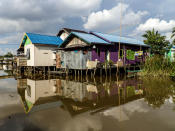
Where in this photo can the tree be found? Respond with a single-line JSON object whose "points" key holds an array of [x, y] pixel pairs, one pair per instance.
{"points": [[158, 44], [173, 35], [9, 54]]}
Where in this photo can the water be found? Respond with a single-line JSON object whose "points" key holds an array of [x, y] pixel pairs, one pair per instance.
{"points": [[87, 104]]}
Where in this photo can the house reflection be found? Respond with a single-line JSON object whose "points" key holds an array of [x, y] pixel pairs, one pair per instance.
{"points": [[75, 96]]}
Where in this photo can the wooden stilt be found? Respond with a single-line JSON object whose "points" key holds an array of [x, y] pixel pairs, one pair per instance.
{"points": [[106, 71], [34, 71], [78, 75], [86, 72], [75, 74], [101, 72], [110, 71], [94, 72], [91, 73]]}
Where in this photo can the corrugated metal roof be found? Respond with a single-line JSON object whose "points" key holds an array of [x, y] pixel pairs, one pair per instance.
{"points": [[44, 39], [114, 38], [90, 38]]}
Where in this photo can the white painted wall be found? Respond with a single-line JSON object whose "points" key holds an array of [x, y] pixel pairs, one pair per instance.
{"points": [[41, 55], [44, 56]]}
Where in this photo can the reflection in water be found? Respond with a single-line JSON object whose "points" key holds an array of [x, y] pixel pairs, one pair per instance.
{"points": [[90, 104], [78, 97], [158, 91]]}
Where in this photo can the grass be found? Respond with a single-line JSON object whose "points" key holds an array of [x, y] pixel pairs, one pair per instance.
{"points": [[158, 66]]}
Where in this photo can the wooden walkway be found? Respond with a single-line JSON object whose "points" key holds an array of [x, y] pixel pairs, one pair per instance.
{"points": [[6, 77]]}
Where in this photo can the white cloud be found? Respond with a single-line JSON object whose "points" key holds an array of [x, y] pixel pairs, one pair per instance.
{"points": [[40, 16], [157, 24], [23, 25], [110, 19]]}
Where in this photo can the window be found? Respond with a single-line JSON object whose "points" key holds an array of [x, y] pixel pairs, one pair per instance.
{"points": [[28, 54], [121, 53]]}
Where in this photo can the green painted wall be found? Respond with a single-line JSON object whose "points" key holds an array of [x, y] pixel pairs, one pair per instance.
{"points": [[27, 42]]}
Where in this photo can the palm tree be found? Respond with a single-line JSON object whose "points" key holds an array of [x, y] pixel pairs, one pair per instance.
{"points": [[173, 35], [158, 43]]}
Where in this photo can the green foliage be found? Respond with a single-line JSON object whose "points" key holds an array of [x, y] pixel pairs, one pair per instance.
{"points": [[159, 45], [9, 54], [158, 66], [130, 55]]}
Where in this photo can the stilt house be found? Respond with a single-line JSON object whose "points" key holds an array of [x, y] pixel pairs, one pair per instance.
{"points": [[79, 47], [38, 50]]}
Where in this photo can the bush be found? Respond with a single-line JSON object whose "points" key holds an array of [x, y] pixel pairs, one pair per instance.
{"points": [[158, 65]]}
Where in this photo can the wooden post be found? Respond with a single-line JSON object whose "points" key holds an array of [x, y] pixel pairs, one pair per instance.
{"points": [[101, 70], [106, 71], [86, 71], [110, 71], [78, 75], [81, 75], [44, 72], [91, 73], [49, 72], [75, 74], [94, 71], [34, 70]]}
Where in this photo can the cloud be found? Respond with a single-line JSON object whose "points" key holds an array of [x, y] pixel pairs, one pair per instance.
{"points": [[14, 38], [157, 24], [23, 25], [124, 112], [40, 16], [109, 19], [80, 7]]}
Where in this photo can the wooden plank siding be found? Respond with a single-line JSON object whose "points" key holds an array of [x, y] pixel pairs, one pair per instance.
{"points": [[21, 61]]}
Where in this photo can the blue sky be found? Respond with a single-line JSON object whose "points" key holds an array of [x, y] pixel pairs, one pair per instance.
{"points": [[48, 16]]}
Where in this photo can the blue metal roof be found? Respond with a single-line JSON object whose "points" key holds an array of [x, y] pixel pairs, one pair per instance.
{"points": [[90, 38], [114, 38], [44, 39]]}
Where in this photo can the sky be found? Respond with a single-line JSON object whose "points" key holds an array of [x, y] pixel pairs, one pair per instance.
{"points": [[49, 16]]}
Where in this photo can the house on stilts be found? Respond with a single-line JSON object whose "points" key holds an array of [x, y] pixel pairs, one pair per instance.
{"points": [[37, 50], [81, 50]]}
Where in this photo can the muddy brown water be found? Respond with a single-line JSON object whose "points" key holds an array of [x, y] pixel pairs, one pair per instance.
{"points": [[87, 104]]}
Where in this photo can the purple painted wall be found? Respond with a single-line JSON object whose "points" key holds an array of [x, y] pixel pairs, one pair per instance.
{"points": [[114, 53], [100, 58]]}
